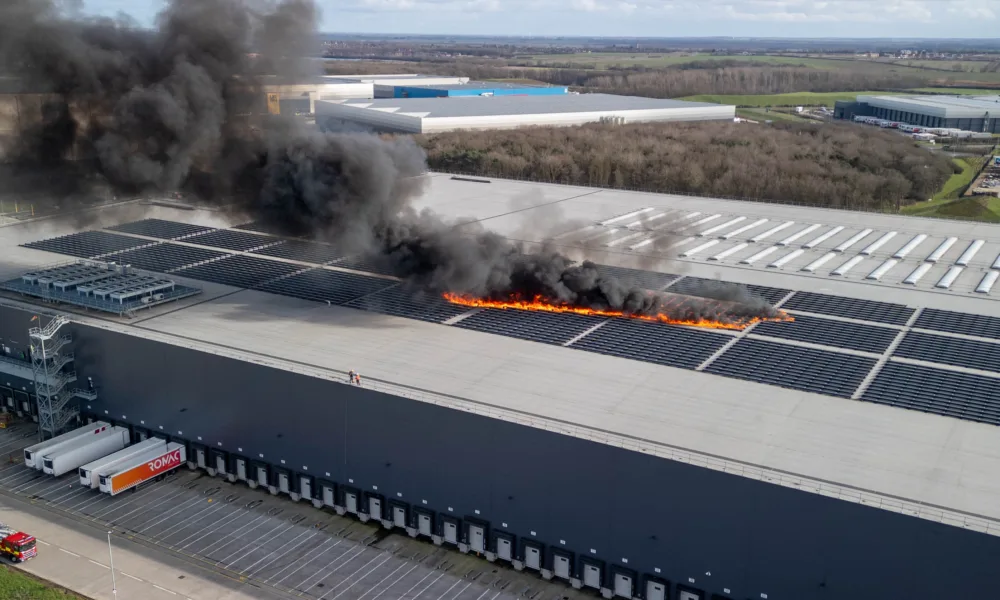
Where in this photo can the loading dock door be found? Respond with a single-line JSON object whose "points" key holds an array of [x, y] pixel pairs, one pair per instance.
{"points": [[220, 464], [477, 542], [399, 516], [423, 524], [686, 595], [591, 576], [532, 558], [623, 585], [560, 566], [375, 508], [283, 482], [328, 495], [503, 549], [143, 436], [241, 469], [351, 502], [201, 458], [305, 487], [262, 476], [450, 532], [655, 591]]}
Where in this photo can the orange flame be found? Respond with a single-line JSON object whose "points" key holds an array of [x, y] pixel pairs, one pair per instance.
{"points": [[539, 304]]}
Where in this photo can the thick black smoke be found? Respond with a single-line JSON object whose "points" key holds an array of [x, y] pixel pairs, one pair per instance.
{"points": [[172, 109]]}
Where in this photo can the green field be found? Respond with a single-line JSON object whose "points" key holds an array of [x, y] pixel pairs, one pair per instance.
{"points": [[18, 585], [759, 114], [958, 91], [948, 202]]}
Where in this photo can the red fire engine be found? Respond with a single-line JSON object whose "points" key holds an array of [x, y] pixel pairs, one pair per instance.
{"points": [[16, 545]]}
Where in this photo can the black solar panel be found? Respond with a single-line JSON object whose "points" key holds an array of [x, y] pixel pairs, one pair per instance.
{"points": [[232, 240], [88, 244], [948, 393], [158, 228], [950, 351], [816, 330], [402, 303], [649, 280], [710, 288], [367, 265], [258, 226], [323, 285], [239, 271], [653, 342], [956, 322], [793, 367], [852, 308], [164, 257], [310, 252], [549, 328]]}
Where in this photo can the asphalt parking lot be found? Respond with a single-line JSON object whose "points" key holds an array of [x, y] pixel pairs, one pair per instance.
{"points": [[272, 541]]}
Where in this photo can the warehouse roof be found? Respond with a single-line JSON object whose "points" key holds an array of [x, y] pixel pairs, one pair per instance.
{"points": [[477, 106], [484, 85], [947, 107], [582, 390]]}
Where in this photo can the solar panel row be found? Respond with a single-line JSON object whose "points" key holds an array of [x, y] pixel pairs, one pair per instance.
{"points": [[324, 285], [239, 271], [827, 332], [159, 228], [548, 328], [961, 323], [164, 257], [724, 290], [398, 302], [649, 280], [88, 244], [653, 342], [231, 240], [851, 308], [972, 354], [948, 393], [301, 251]]}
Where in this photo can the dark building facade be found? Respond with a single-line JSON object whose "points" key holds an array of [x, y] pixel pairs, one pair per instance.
{"points": [[987, 122], [596, 508]]}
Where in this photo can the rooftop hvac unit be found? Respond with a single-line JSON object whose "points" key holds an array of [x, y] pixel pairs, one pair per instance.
{"points": [[146, 299], [157, 297]]}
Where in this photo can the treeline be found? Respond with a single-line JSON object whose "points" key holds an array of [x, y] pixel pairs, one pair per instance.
{"points": [[670, 82], [831, 166]]}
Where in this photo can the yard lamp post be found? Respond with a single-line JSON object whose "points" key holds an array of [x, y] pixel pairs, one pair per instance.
{"points": [[114, 588]]}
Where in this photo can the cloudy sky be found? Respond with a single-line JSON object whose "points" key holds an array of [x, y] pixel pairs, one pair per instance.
{"points": [[666, 18]]}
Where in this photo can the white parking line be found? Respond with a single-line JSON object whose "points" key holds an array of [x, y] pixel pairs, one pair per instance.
{"points": [[204, 551], [42, 543], [233, 516], [440, 575], [129, 576], [388, 587], [172, 512], [350, 575], [99, 564], [339, 542], [163, 589], [278, 549], [69, 495], [184, 524], [140, 509], [254, 546], [347, 554], [70, 553], [344, 591]]}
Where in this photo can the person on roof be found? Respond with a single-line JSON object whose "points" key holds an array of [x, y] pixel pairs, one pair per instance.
{"points": [[357, 378], [350, 376]]}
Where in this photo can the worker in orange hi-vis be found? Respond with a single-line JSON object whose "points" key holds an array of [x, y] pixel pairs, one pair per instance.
{"points": [[357, 378]]}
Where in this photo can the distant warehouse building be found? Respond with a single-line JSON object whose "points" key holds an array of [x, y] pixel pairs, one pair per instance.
{"points": [[476, 88], [434, 115], [384, 86], [969, 113]]}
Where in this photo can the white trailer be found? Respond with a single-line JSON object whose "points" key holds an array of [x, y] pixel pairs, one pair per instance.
{"points": [[90, 473], [143, 468], [32, 454], [84, 450]]}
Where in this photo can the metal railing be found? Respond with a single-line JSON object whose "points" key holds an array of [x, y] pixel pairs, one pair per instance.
{"points": [[830, 489]]}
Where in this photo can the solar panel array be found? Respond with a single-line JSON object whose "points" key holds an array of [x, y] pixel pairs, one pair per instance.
{"points": [[398, 302], [653, 342], [548, 328], [793, 367], [712, 288], [309, 252], [324, 285], [258, 226], [958, 352], [948, 393], [649, 280], [239, 271], [827, 332], [158, 228], [164, 257], [88, 244], [366, 264], [231, 240], [956, 322], [852, 308]]}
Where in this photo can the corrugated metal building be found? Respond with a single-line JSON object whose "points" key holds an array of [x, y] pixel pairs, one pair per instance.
{"points": [[433, 115], [852, 455], [969, 113], [385, 85], [476, 88]]}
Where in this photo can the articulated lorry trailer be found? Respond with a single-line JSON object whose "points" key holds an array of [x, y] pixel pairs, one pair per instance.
{"points": [[83, 450], [143, 468], [90, 473], [33, 454]]}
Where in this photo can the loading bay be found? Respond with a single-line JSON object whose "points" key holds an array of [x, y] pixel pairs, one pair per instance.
{"points": [[272, 542]]}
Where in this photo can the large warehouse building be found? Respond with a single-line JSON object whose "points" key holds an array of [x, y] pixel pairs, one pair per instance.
{"points": [[851, 453], [477, 88], [434, 115], [969, 113]]}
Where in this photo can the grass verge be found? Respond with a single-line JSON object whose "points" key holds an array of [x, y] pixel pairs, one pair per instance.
{"points": [[949, 203], [18, 585], [796, 99]]}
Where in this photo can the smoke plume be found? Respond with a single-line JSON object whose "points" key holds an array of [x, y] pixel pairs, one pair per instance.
{"points": [[152, 111]]}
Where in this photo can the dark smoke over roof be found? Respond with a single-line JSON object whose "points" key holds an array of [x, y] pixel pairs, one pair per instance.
{"points": [[162, 110]]}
